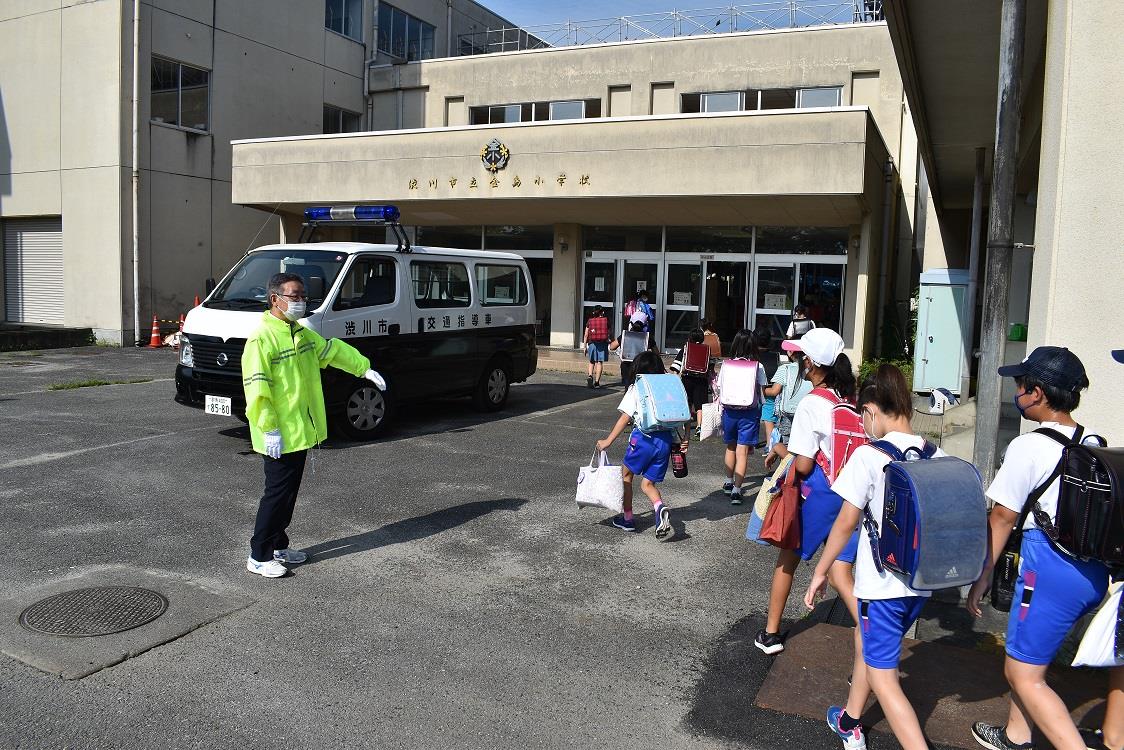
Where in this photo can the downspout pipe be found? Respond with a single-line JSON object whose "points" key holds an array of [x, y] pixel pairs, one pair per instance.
{"points": [[973, 273], [136, 171], [448, 28], [884, 260]]}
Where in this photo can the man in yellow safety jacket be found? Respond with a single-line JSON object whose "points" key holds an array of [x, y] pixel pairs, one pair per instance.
{"points": [[285, 408]]}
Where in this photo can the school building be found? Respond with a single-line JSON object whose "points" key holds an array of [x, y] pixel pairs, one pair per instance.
{"points": [[729, 175], [1067, 265]]}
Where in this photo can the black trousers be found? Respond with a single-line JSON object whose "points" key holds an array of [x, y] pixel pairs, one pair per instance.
{"points": [[275, 511]]}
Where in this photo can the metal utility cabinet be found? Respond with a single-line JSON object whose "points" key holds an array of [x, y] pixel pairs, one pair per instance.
{"points": [[940, 354]]}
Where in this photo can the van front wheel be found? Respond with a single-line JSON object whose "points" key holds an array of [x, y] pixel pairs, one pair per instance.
{"points": [[494, 386], [366, 412]]}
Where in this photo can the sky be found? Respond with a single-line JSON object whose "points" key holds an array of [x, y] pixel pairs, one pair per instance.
{"points": [[539, 12]]}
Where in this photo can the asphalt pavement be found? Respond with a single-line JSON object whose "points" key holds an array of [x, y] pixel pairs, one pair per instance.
{"points": [[456, 596]]}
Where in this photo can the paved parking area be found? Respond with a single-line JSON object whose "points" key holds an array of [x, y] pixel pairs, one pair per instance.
{"points": [[456, 596]]}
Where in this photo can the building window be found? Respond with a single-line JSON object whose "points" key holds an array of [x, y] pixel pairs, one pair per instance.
{"points": [[722, 101], [404, 36], [823, 96], [180, 94], [777, 99], [501, 285], [801, 240], [344, 17], [573, 110], [338, 120]]}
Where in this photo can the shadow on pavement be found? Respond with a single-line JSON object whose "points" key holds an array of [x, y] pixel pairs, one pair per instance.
{"points": [[409, 529]]}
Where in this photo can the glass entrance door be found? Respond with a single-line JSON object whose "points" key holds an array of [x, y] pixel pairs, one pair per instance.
{"points": [[600, 288], [636, 278], [821, 289], [774, 295], [725, 297], [682, 302]]}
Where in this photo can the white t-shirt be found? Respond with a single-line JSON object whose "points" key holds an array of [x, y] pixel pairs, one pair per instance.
{"points": [[628, 403], [1029, 459], [862, 483], [811, 427]]}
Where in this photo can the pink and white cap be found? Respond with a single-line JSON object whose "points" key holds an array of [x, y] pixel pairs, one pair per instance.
{"points": [[821, 345]]}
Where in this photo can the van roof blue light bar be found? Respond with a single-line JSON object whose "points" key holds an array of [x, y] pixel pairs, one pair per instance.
{"points": [[344, 216], [385, 214]]}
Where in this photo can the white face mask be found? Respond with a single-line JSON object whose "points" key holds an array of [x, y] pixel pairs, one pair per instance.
{"points": [[869, 433], [296, 310]]}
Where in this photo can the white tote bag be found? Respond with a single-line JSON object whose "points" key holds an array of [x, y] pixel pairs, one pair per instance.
{"points": [[1098, 645], [600, 485], [711, 420]]}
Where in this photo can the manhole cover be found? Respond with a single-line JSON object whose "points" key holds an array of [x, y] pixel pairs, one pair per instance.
{"points": [[95, 611]]}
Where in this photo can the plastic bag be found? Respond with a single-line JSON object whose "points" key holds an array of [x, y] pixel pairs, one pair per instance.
{"points": [[711, 420], [1101, 645], [600, 485]]}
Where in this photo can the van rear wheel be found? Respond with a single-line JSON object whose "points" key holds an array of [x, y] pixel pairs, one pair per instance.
{"points": [[366, 412], [494, 386]]}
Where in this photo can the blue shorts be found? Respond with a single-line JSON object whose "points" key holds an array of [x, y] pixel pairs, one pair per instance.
{"points": [[1053, 591], [741, 426], [884, 624], [769, 410], [817, 516], [648, 455], [597, 351]]}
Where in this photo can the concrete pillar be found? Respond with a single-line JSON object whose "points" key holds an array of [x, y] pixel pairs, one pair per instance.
{"points": [[860, 298], [565, 286], [1077, 270], [290, 227]]}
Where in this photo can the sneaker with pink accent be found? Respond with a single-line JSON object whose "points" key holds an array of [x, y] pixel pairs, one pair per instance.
{"points": [[852, 740]]}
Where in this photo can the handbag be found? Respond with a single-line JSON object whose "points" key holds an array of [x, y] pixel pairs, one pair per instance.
{"points": [[781, 527], [766, 496], [711, 420], [1006, 571], [1103, 642], [600, 485]]}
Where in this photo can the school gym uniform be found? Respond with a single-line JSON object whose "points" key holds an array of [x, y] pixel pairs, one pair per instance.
{"points": [[741, 424], [810, 437], [888, 607], [1053, 590], [647, 455]]}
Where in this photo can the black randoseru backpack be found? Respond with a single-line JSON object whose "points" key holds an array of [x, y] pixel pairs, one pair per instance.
{"points": [[1090, 517]]}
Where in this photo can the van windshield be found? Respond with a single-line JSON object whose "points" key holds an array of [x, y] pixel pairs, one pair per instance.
{"points": [[247, 287]]}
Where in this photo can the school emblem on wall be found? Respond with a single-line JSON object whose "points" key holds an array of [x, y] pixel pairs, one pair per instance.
{"points": [[495, 156]]}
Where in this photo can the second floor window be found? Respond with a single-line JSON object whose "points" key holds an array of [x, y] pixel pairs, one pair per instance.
{"points": [[404, 36], [180, 95], [344, 17], [338, 120]]}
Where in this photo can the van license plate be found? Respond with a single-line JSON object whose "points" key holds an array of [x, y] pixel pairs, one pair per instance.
{"points": [[218, 405]]}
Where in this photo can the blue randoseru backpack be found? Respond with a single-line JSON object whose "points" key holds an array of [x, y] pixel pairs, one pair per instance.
{"points": [[934, 519], [661, 403]]}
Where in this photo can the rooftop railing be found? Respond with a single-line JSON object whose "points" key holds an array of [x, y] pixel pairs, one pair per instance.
{"points": [[759, 16]]}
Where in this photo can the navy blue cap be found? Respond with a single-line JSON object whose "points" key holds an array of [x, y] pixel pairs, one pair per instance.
{"points": [[1118, 355], [1050, 365]]}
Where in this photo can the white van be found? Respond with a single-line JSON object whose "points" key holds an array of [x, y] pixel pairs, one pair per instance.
{"points": [[434, 321]]}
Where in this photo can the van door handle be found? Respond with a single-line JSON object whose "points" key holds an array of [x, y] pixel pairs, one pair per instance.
{"points": [[393, 329]]}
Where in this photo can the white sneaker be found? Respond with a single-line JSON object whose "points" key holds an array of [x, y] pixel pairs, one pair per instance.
{"points": [[290, 556], [271, 569]]}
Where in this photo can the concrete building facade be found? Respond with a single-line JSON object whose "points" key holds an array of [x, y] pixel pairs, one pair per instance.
{"points": [[210, 71], [730, 176]]}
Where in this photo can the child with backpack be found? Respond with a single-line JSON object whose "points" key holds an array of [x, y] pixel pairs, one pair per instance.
{"points": [[788, 386], [635, 332], [647, 455], [762, 339], [740, 381], [888, 606], [694, 365], [1053, 590], [596, 340], [822, 439]]}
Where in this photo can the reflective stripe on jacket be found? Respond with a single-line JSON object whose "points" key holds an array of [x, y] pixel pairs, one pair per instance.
{"points": [[281, 377]]}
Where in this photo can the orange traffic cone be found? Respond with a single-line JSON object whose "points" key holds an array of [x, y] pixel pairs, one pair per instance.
{"points": [[196, 301], [154, 340]]}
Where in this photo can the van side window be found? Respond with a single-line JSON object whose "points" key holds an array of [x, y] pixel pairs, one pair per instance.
{"points": [[371, 281], [501, 285], [440, 284]]}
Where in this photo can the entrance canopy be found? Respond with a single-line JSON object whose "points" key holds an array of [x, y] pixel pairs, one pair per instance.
{"points": [[798, 167]]}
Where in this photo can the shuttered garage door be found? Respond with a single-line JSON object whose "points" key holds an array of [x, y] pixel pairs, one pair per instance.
{"points": [[33, 270]]}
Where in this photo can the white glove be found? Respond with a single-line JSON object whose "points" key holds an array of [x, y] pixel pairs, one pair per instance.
{"points": [[375, 378], [273, 444]]}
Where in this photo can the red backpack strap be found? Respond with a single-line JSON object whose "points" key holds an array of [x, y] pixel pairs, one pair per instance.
{"points": [[827, 394]]}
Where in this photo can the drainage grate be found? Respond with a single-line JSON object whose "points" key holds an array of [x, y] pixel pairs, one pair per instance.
{"points": [[94, 611]]}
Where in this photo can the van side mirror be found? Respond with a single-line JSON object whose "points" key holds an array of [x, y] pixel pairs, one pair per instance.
{"points": [[210, 285]]}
